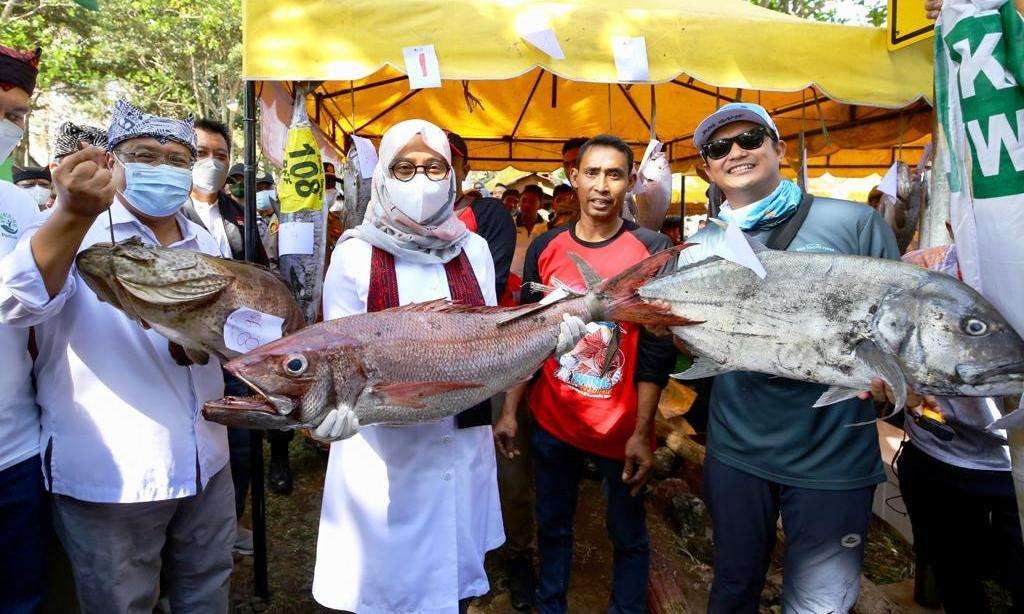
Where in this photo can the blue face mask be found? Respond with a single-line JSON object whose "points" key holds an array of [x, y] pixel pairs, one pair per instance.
{"points": [[156, 191], [768, 212]]}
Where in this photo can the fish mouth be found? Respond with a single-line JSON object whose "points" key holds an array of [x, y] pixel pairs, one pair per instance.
{"points": [[252, 412], [282, 404], [984, 374]]}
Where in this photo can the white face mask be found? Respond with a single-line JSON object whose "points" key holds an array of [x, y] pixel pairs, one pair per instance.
{"points": [[10, 136], [40, 194], [419, 198], [209, 174]]}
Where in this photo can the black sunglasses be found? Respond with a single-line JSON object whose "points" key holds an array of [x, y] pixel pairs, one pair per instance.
{"points": [[749, 140]]}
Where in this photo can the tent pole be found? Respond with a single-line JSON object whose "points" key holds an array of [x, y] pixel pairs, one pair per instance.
{"points": [[654, 115], [258, 510]]}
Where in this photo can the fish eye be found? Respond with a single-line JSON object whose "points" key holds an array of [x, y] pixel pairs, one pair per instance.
{"points": [[295, 364], [975, 327]]}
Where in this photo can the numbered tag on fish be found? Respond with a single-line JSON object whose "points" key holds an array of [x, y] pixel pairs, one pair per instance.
{"points": [[247, 329], [735, 247], [302, 179]]}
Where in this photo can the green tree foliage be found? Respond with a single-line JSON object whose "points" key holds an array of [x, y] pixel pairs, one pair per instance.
{"points": [[873, 11], [166, 56]]}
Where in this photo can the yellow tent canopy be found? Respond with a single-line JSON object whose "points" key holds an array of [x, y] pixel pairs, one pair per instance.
{"points": [[836, 84]]}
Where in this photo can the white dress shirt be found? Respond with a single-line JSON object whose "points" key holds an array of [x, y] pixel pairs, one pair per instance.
{"points": [[210, 214], [120, 418], [408, 511], [19, 415]]}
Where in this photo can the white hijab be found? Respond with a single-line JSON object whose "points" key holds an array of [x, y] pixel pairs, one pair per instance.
{"points": [[433, 241]]}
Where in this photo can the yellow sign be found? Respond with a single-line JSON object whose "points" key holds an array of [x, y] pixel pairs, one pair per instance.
{"points": [[302, 180], [908, 23]]}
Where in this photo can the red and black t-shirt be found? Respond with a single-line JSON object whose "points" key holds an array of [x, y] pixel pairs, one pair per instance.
{"points": [[488, 218], [584, 398]]}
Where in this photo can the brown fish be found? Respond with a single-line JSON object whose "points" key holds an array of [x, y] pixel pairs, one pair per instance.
{"points": [[184, 295], [422, 361]]}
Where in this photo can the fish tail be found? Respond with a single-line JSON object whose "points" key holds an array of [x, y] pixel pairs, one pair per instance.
{"points": [[619, 299]]}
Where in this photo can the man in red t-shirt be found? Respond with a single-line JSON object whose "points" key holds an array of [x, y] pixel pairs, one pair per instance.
{"points": [[597, 400]]}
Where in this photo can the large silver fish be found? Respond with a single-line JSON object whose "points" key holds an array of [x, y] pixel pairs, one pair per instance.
{"points": [[843, 320], [935, 213]]}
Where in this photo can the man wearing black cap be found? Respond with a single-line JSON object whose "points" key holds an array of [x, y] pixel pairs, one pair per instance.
{"points": [[266, 203], [23, 501], [37, 182]]}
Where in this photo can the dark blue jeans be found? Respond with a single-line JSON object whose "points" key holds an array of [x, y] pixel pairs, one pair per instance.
{"points": [[24, 518], [825, 532], [559, 468]]}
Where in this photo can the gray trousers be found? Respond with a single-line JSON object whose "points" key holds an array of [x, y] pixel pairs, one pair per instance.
{"points": [[122, 554], [515, 483]]}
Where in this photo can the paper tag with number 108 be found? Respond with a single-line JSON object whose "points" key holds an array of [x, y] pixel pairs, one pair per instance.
{"points": [[302, 181]]}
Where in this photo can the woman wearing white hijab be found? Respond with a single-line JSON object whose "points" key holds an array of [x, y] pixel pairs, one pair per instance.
{"points": [[408, 511]]}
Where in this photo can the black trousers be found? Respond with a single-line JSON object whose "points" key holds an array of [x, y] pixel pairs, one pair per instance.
{"points": [[965, 523]]}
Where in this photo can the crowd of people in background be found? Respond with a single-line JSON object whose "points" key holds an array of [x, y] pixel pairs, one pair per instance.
{"points": [[102, 442]]}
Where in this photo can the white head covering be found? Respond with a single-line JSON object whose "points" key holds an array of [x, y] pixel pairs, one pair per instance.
{"points": [[435, 240]]}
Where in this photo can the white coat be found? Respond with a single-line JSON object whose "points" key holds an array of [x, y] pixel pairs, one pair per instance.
{"points": [[408, 511]]}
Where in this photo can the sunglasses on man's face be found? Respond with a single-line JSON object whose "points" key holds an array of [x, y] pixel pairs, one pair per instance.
{"points": [[749, 140]]}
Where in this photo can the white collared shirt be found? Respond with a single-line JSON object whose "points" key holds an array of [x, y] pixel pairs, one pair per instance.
{"points": [[121, 420], [210, 214], [19, 416]]}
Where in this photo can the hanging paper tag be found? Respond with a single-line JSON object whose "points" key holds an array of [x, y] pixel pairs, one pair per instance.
{"points": [[302, 179], [890, 183], [631, 58], [735, 247], [295, 238], [247, 329], [421, 67], [367, 156]]}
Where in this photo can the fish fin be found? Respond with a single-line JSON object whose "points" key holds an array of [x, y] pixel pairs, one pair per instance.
{"points": [[198, 357], [1012, 420], [611, 351], [835, 394], [623, 304], [176, 294], [443, 305], [412, 394], [886, 368], [701, 368], [590, 276], [521, 312]]}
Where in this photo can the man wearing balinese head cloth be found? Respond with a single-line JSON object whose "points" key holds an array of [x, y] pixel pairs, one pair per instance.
{"points": [[143, 500], [23, 501], [408, 512]]}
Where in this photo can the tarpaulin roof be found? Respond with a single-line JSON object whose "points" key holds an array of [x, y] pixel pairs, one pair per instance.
{"points": [[515, 104]]}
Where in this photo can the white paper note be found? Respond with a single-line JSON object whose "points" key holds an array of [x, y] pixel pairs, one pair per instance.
{"points": [[735, 248], [421, 67], [889, 183], [295, 238], [367, 156], [247, 329], [631, 58], [545, 40]]}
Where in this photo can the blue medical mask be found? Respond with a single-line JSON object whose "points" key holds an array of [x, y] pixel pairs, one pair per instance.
{"points": [[265, 200], [156, 191]]}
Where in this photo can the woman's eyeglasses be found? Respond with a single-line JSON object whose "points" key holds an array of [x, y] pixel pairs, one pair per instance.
{"points": [[405, 171]]}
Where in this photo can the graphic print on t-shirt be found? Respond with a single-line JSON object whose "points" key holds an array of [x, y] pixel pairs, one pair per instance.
{"points": [[587, 368]]}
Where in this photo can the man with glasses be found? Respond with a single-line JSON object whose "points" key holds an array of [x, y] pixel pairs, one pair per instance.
{"points": [[770, 452], [143, 500]]}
